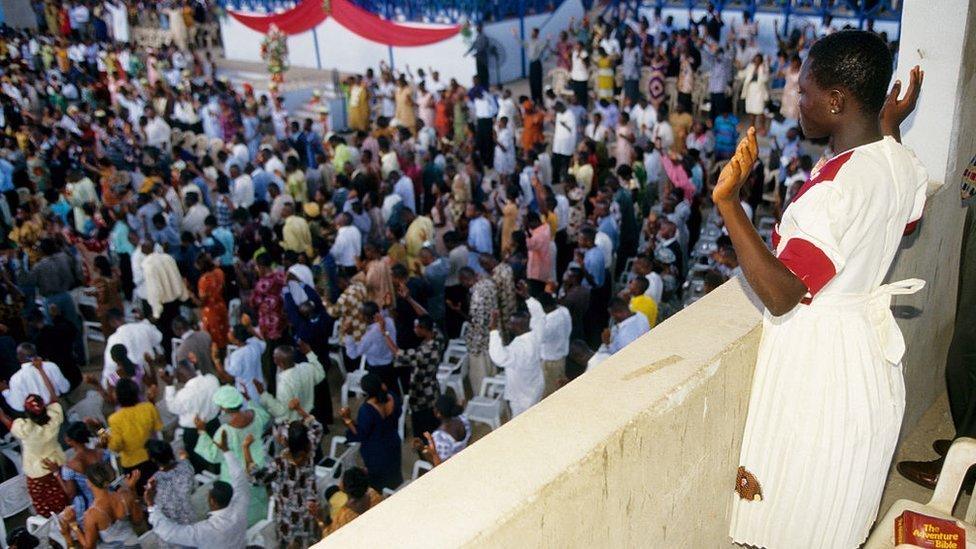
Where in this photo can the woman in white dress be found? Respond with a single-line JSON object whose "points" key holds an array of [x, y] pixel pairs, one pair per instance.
{"points": [[504, 161], [755, 91], [425, 105], [790, 104], [828, 395]]}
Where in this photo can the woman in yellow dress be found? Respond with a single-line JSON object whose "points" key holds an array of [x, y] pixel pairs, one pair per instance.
{"points": [[404, 114], [604, 75], [358, 105]]}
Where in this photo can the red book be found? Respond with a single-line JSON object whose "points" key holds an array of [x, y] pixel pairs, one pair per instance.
{"points": [[929, 532]]}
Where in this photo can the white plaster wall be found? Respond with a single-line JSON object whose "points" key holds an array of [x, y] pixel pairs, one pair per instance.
{"points": [[550, 24], [17, 14]]}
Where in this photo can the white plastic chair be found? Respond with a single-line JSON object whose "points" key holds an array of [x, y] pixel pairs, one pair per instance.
{"points": [[46, 529], [459, 341], [174, 344], [353, 383], [12, 450], [330, 469], [150, 540], [487, 406], [402, 422], [91, 331], [336, 354], [13, 500], [205, 478], [263, 532], [453, 370], [418, 466], [961, 456], [234, 311]]}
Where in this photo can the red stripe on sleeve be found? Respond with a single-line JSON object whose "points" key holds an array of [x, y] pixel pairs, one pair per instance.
{"points": [[910, 228], [808, 263]]}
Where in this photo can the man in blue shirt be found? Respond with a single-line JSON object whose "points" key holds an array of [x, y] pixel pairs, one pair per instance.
{"points": [[213, 233], [261, 179], [590, 257], [479, 235], [377, 345], [164, 233]]}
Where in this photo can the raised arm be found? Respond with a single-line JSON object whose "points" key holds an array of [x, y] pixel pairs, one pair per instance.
{"points": [[895, 110], [778, 288]]}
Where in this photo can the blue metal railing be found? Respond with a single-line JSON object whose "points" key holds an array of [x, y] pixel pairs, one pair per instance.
{"points": [[427, 11], [453, 11], [881, 10]]}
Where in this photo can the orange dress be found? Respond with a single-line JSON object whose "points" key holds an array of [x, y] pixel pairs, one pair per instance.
{"points": [[210, 288], [442, 117], [532, 130]]}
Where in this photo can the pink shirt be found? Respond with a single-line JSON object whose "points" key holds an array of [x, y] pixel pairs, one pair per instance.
{"points": [[679, 177], [540, 258]]}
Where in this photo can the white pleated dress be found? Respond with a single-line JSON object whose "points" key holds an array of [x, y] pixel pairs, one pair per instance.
{"points": [[828, 395]]}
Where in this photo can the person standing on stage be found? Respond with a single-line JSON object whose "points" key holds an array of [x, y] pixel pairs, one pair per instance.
{"points": [[535, 51]]}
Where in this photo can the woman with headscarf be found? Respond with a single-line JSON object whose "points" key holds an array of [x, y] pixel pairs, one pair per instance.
{"points": [[237, 422], [38, 434]]}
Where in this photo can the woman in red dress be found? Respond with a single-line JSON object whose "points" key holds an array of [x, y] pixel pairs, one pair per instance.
{"points": [[442, 115], [210, 292]]}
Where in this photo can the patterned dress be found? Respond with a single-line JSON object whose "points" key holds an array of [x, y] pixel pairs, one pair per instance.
{"points": [[293, 485], [346, 308], [210, 288], [173, 489], [504, 280], [484, 300], [267, 301], [655, 88]]}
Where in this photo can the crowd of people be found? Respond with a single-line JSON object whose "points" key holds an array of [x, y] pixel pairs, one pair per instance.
{"points": [[233, 257]]}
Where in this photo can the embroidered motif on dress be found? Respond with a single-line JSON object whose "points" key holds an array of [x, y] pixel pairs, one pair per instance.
{"points": [[747, 486]]}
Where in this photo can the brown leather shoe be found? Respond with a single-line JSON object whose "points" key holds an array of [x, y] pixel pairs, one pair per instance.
{"points": [[924, 473], [941, 446]]}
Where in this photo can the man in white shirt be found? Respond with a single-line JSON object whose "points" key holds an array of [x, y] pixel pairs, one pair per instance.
{"points": [[404, 188], [348, 243], [563, 140], [655, 284], [139, 337], [225, 526], [524, 382], [165, 291], [195, 216], [193, 399], [644, 117], [557, 326], [157, 131], [28, 380], [242, 188]]}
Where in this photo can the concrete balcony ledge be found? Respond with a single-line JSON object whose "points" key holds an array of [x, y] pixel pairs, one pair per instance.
{"points": [[642, 451]]}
